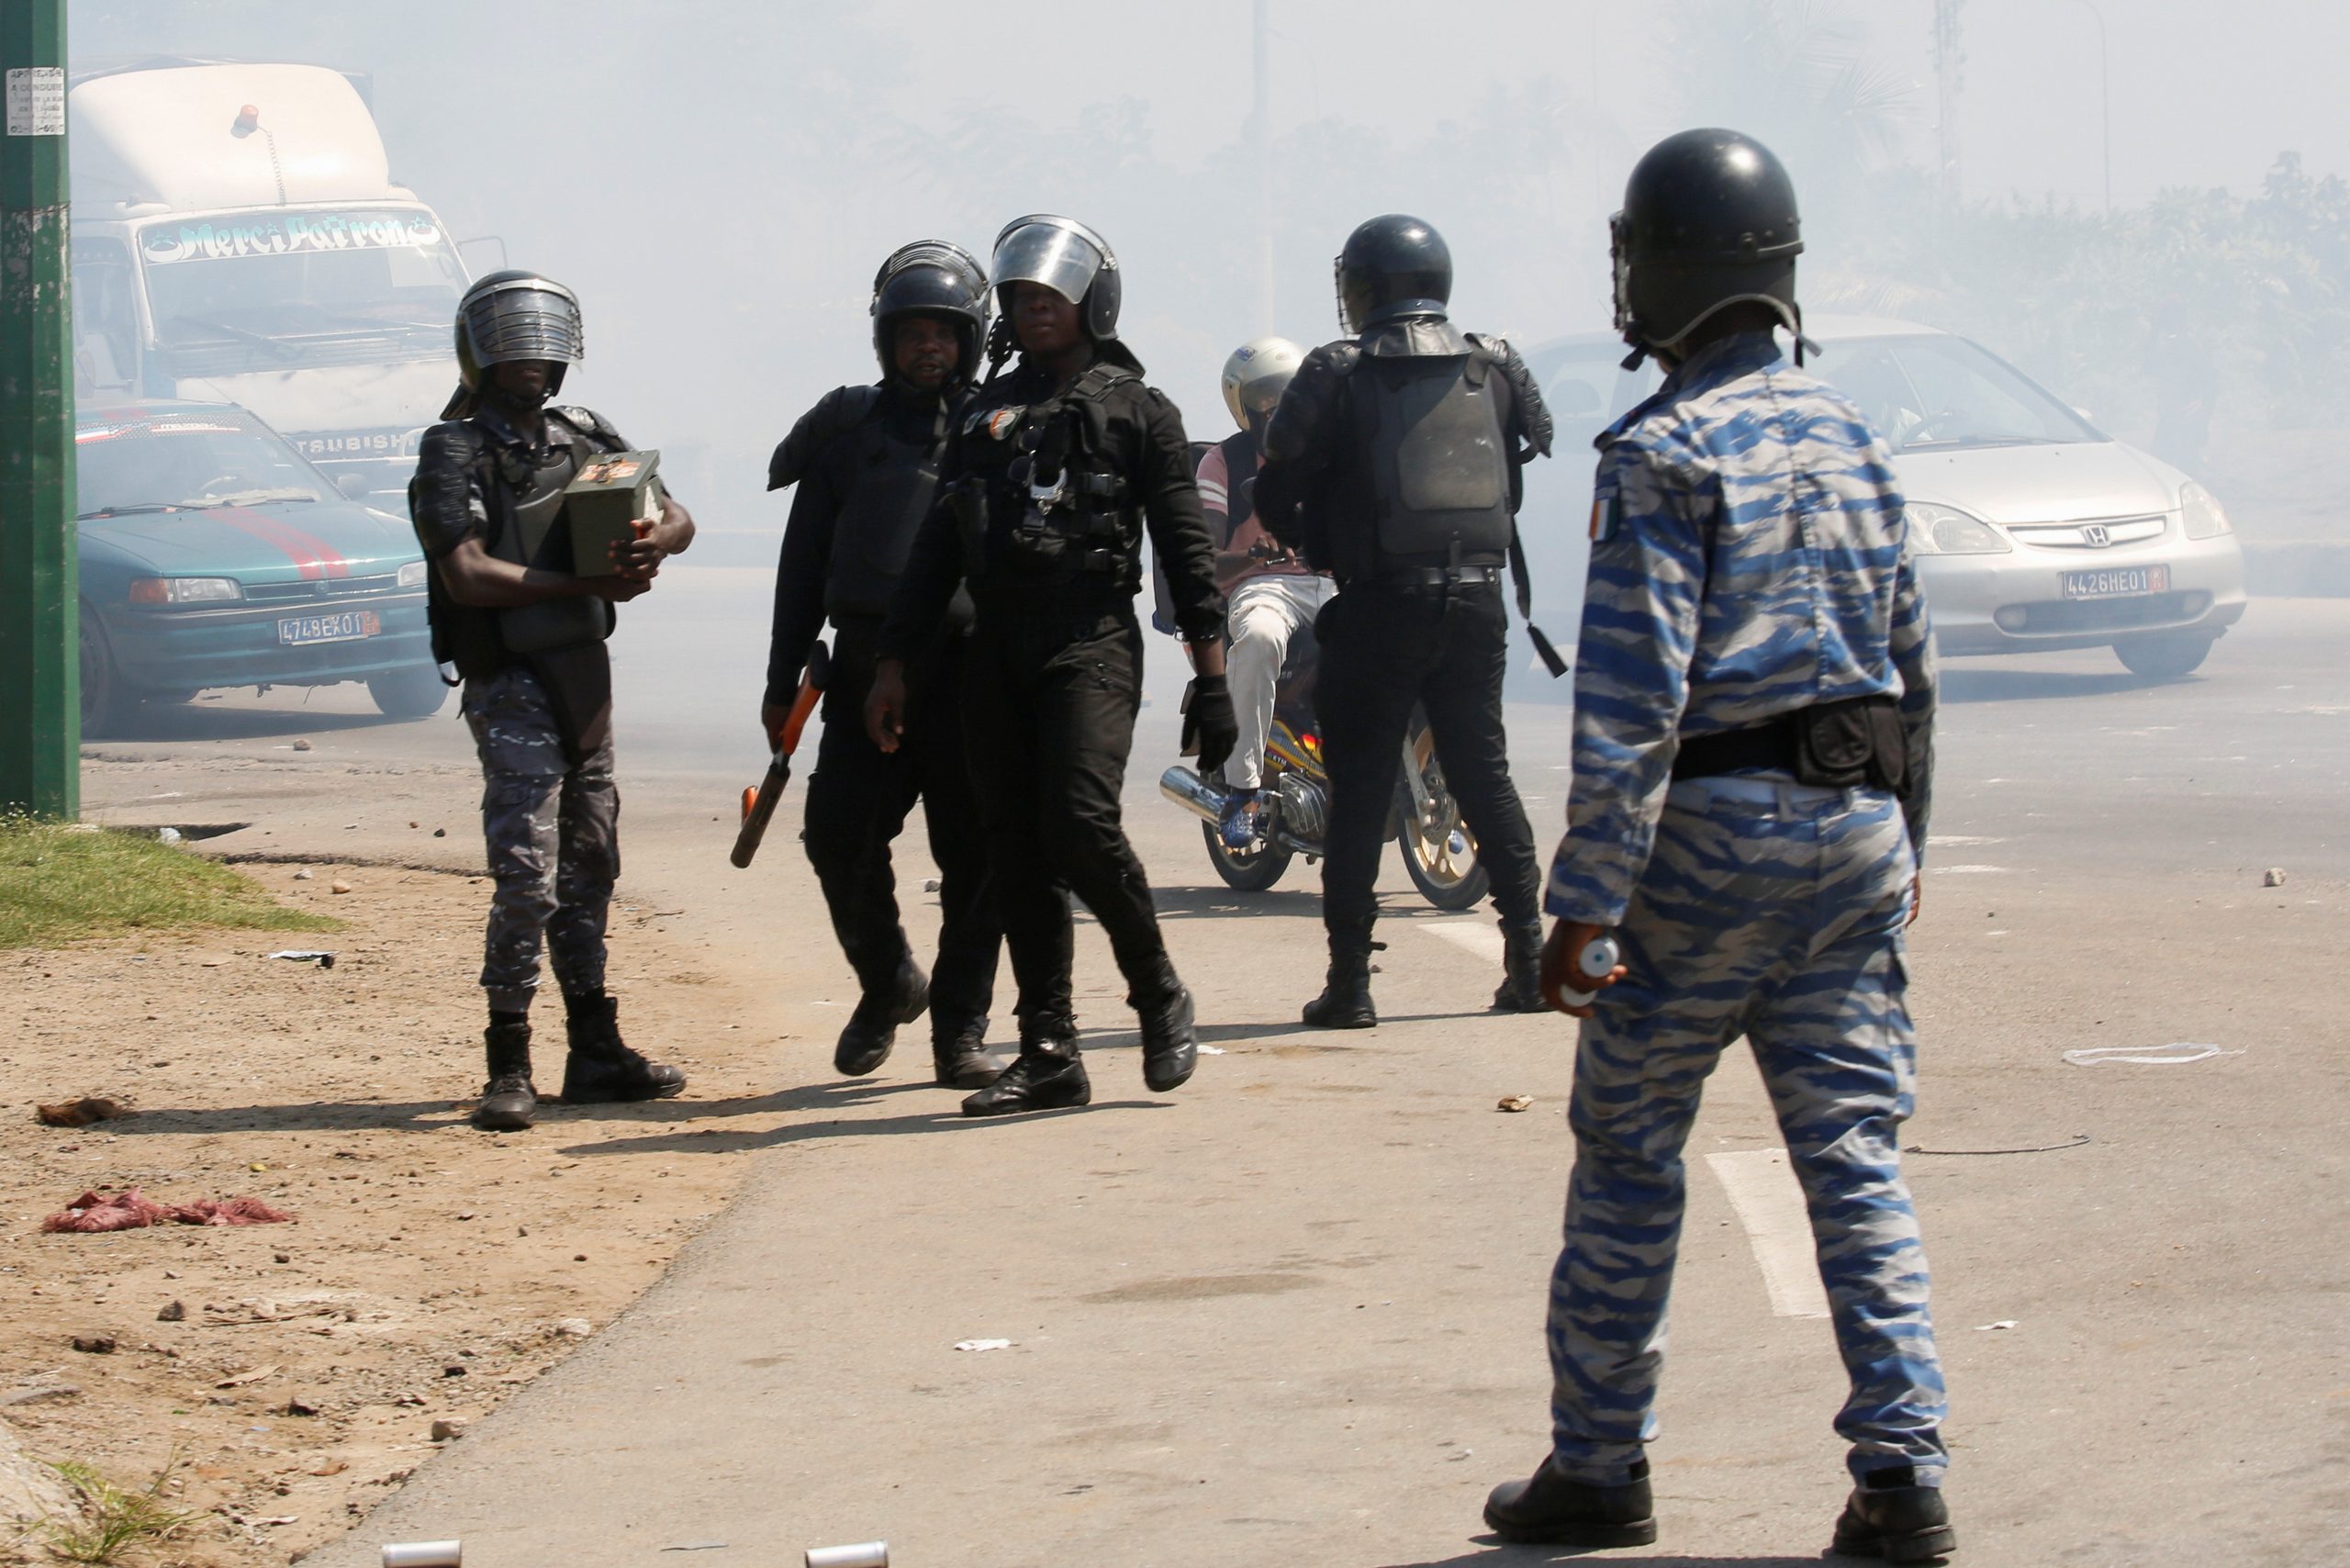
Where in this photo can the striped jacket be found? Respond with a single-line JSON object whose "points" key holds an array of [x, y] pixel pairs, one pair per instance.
{"points": [[1750, 556]]}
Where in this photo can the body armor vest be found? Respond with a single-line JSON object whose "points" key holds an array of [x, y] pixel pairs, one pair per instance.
{"points": [[891, 484], [1429, 429], [534, 537], [1057, 509]]}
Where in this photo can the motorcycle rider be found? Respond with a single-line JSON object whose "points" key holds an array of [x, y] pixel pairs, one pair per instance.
{"points": [[1271, 594], [865, 459], [1395, 459], [1051, 476], [524, 623]]}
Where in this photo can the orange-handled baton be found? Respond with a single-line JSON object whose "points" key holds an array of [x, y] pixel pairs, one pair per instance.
{"points": [[759, 803]]}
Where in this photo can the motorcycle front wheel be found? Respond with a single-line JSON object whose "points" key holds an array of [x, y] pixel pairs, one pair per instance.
{"points": [[1440, 857], [1247, 870]]}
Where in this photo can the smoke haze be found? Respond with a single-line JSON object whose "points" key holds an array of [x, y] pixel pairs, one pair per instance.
{"points": [[718, 180]]}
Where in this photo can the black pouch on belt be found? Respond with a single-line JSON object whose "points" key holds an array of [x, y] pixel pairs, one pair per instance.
{"points": [[1852, 744]]}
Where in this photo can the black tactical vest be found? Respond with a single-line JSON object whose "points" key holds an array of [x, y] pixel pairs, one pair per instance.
{"points": [[1057, 508], [889, 484], [533, 535], [1428, 430]]}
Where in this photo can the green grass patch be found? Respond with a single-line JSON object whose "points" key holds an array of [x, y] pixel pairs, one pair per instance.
{"points": [[62, 882], [113, 1519]]}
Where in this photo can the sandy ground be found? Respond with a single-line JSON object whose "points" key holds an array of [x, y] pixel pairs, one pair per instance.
{"points": [[431, 1268]]}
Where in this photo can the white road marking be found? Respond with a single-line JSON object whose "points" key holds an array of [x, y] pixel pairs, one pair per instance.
{"points": [[1967, 870], [1939, 839], [1473, 935], [1770, 1205]]}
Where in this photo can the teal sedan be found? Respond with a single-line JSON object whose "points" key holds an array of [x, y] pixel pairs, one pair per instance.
{"points": [[214, 555]]}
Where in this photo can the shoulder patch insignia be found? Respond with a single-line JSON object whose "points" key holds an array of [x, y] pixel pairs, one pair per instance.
{"points": [[997, 424], [1606, 511]]}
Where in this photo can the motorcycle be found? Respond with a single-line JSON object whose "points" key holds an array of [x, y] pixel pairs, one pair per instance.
{"points": [[1293, 802]]}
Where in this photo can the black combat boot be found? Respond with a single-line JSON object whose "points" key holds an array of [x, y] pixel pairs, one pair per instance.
{"points": [[1556, 1511], [508, 1100], [958, 1052], [600, 1069], [1521, 990], [1048, 1074], [1345, 1002], [1170, 1039], [873, 1027], [1891, 1518]]}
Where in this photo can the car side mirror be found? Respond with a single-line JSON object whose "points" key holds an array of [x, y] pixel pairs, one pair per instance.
{"points": [[353, 485]]}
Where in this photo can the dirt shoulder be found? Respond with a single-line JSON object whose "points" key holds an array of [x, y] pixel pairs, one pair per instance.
{"points": [[431, 1268]]}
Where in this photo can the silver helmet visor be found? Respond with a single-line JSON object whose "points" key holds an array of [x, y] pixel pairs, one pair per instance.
{"points": [[1061, 259], [524, 322]]}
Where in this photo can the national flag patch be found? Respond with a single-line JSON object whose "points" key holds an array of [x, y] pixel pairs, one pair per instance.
{"points": [[1606, 511]]}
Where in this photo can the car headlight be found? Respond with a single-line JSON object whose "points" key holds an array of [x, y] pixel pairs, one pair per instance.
{"points": [[185, 590], [412, 573], [2201, 512], [1946, 531]]}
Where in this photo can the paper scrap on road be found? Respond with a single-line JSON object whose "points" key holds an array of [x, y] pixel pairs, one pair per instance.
{"points": [[1988, 1327], [2177, 1052], [983, 1345], [1514, 1103]]}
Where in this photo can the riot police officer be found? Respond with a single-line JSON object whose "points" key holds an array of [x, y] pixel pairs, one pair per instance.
{"points": [[1052, 473], [1393, 461], [865, 459], [1754, 703], [524, 623]]}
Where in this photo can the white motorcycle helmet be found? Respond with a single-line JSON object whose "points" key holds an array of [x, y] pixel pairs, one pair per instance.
{"points": [[1255, 377]]}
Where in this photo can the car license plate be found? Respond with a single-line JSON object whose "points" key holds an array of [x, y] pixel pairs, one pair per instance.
{"points": [[2116, 582], [342, 628]]}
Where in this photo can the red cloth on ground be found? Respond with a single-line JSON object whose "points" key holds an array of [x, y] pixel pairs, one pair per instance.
{"points": [[130, 1209]]}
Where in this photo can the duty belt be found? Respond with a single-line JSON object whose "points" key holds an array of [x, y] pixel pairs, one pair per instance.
{"points": [[1441, 577]]}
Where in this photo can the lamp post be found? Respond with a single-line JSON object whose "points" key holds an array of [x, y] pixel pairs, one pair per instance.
{"points": [[2104, 98], [40, 758]]}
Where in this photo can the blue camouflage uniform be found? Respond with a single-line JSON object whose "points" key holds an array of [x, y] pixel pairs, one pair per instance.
{"points": [[1749, 560]]}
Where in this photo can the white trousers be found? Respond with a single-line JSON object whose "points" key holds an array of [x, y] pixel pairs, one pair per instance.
{"points": [[1265, 613]]}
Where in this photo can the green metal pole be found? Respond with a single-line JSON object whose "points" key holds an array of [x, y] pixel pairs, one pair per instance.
{"points": [[40, 719]]}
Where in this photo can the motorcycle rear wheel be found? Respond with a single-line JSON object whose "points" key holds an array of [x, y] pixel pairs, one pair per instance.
{"points": [[1250, 870]]}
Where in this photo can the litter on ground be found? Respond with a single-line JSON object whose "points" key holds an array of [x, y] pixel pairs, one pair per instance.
{"points": [[130, 1209], [2179, 1053]]}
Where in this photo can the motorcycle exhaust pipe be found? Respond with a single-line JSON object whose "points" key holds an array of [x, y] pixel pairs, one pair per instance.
{"points": [[1194, 794]]}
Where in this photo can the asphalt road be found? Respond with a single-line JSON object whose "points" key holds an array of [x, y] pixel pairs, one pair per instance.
{"points": [[1291, 1313]]}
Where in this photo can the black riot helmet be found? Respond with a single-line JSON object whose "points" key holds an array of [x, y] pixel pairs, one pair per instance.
{"points": [[931, 277], [1067, 258], [514, 316], [1391, 265], [1709, 221]]}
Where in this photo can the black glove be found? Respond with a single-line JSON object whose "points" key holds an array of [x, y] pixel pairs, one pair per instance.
{"points": [[1209, 725]]}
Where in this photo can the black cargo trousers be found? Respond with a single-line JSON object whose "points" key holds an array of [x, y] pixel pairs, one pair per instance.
{"points": [[1386, 647], [1051, 686], [858, 799]]}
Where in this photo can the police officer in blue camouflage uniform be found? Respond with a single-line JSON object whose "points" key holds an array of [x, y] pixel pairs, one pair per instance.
{"points": [[1754, 704], [524, 623]]}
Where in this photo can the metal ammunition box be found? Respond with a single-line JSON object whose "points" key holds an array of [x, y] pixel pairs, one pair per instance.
{"points": [[606, 503]]}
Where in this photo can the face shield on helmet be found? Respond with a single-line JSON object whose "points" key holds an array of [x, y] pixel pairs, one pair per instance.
{"points": [[511, 316], [1063, 256], [1255, 377]]}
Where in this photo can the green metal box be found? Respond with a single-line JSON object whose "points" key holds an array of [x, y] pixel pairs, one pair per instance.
{"points": [[612, 499]]}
